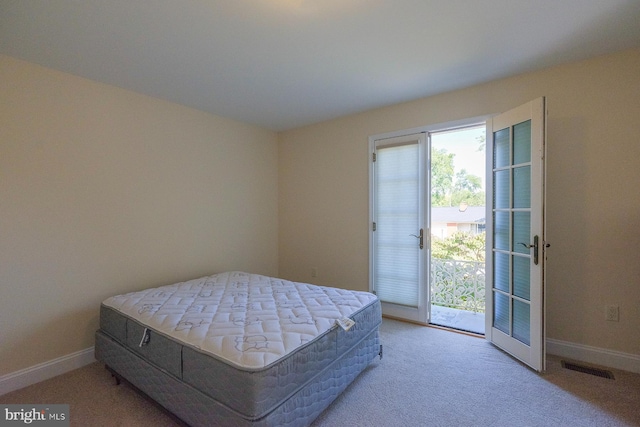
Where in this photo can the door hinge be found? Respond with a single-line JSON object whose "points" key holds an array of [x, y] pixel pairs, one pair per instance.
{"points": [[373, 157], [374, 226]]}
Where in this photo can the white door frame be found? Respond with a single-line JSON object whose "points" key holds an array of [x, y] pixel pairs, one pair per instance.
{"points": [[423, 313]]}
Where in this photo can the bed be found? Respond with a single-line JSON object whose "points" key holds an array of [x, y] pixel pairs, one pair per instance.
{"points": [[241, 349]]}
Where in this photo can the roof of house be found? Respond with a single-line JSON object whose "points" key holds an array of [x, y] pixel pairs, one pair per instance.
{"points": [[472, 214]]}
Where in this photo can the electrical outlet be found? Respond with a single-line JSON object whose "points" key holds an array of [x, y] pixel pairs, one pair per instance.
{"points": [[612, 313], [314, 272]]}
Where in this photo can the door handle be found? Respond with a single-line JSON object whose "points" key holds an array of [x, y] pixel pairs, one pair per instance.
{"points": [[535, 248], [421, 237]]}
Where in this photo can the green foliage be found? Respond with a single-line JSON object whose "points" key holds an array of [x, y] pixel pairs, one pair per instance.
{"points": [[442, 171], [482, 142], [467, 182], [460, 246], [456, 280], [471, 199], [447, 191]]}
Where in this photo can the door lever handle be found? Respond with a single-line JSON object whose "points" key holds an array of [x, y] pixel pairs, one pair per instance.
{"points": [[421, 237], [535, 248]]}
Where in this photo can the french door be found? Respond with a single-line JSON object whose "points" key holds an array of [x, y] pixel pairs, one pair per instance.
{"points": [[398, 217], [516, 234]]}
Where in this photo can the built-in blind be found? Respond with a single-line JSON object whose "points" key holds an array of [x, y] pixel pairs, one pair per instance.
{"points": [[396, 213]]}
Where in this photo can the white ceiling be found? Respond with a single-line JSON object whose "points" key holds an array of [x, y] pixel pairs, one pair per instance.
{"points": [[282, 64]]}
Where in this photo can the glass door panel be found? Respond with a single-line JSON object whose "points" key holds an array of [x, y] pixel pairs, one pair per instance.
{"points": [[521, 279], [521, 321], [513, 218]]}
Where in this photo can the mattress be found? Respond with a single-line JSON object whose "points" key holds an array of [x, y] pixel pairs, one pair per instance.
{"points": [[247, 342]]}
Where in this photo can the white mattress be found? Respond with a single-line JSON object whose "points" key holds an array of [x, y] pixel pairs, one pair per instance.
{"points": [[248, 320]]}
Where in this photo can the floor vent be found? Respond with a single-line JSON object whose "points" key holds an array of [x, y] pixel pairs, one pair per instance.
{"points": [[588, 370]]}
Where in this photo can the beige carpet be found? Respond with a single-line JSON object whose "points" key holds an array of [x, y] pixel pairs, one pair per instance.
{"points": [[428, 377]]}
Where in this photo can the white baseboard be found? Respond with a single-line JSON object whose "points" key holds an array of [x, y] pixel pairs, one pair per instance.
{"points": [[46, 370], [594, 355]]}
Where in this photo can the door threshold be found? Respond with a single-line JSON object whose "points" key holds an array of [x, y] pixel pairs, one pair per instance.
{"points": [[459, 331], [415, 322], [433, 325]]}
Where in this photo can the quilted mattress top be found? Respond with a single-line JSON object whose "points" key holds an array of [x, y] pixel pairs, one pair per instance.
{"points": [[248, 320]]}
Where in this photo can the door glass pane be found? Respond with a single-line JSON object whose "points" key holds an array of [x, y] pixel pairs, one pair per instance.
{"points": [[397, 256], [501, 272], [521, 232], [521, 321], [522, 142], [501, 312], [501, 190], [501, 148], [522, 187], [521, 273], [501, 230]]}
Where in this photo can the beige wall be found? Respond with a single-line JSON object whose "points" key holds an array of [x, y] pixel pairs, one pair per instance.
{"points": [[104, 191], [593, 203]]}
